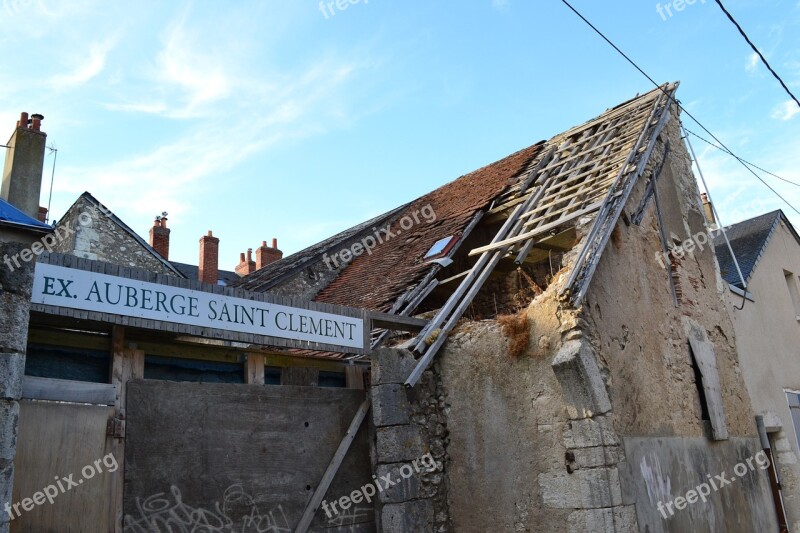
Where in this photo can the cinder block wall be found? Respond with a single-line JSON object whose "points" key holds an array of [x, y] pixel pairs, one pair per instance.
{"points": [[15, 297]]}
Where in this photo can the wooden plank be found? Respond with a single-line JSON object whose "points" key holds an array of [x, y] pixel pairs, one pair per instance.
{"points": [[254, 369], [354, 377], [64, 390], [62, 439], [537, 231], [703, 353], [333, 467], [395, 322], [120, 374]]}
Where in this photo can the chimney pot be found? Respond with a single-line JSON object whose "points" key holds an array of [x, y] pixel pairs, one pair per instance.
{"points": [[42, 214], [23, 120], [266, 255], [36, 124], [159, 237], [708, 209], [246, 264], [208, 268]]}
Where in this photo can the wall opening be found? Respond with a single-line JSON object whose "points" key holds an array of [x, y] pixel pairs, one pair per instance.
{"points": [[791, 284]]}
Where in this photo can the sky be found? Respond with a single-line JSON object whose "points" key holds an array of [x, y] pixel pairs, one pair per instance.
{"points": [[296, 119]]}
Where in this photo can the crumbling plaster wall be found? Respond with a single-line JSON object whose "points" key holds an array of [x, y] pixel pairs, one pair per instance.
{"points": [[641, 343], [539, 442]]}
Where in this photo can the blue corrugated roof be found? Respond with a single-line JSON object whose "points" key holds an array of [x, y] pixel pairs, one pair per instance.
{"points": [[11, 215]]}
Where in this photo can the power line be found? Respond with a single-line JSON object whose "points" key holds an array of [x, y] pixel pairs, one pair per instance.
{"points": [[765, 171], [676, 102], [757, 51]]}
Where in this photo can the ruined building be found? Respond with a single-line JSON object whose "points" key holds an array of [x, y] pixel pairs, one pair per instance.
{"points": [[537, 359]]}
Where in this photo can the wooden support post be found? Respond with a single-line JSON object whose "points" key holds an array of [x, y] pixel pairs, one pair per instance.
{"points": [[125, 366], [333, 467], [354, 377], [254, 369]]}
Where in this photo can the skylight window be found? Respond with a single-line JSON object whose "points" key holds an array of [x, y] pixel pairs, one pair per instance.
{"points": [[441, 247]]}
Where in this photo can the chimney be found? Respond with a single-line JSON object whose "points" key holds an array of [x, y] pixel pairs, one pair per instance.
{"points": [[246, 264], [208, 270], [42, 214], [709, 210], [159, 236], [22, 174], [266, 255]]}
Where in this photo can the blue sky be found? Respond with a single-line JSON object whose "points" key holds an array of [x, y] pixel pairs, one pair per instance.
{"points": [[273, 119]]}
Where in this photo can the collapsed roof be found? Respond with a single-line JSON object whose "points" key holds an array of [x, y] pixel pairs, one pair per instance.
{"points": [[515, 212]]}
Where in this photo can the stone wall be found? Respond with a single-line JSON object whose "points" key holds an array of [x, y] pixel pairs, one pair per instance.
{"points": [[15, 297], [96, 236], [409, 425]]}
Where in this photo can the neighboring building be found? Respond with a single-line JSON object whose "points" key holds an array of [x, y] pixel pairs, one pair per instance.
{"points": [[96, 233], [580, 384], [767, 326]]}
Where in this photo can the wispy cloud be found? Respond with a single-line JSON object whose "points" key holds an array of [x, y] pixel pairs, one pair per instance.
{"points": [[87, 69], [501, 5], [752, 62], [786, 111]]}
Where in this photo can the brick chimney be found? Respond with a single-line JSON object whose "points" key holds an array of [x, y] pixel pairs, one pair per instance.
{"points": [[709, 210], [22, 174], [266, 255], [208, 270], [159, 236], [246, 264], [42, 214]]}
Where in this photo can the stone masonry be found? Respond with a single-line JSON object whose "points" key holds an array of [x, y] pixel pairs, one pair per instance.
{"points": [[15, 295], [408, 425]]}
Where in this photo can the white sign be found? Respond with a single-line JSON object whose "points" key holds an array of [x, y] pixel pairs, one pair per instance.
{"points": [[89, 291]]}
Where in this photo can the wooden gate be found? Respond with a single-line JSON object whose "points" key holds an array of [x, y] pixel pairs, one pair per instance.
{"points": [[59, 484]]}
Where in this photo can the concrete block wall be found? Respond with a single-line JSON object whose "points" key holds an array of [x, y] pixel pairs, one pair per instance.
{"points": [[408, 425], [15, 296]]}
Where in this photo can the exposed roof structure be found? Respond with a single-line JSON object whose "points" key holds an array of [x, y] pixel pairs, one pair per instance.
{"points": [[377, 280], [11, 216], [749, 239], [527, 201]]}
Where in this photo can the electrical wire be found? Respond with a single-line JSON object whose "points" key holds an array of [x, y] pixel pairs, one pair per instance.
{"points": [[683, 109], [757, 51], [765, 171]]}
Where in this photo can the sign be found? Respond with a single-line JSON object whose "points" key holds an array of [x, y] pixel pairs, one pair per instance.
{"points": [[90, 291]]}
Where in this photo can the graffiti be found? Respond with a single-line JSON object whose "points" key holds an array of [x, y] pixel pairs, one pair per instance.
{"points": [[344, 521], [157, 513], [237, 513]]}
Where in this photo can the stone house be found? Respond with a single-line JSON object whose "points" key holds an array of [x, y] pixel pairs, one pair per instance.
{"points": [[766, 322]]}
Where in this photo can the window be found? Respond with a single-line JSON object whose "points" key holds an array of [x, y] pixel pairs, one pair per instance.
{"points": [[794, 409], [791, 284], [441, 247]]}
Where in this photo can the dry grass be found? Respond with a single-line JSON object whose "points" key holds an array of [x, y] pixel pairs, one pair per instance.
{"points": [[516, 328]]}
